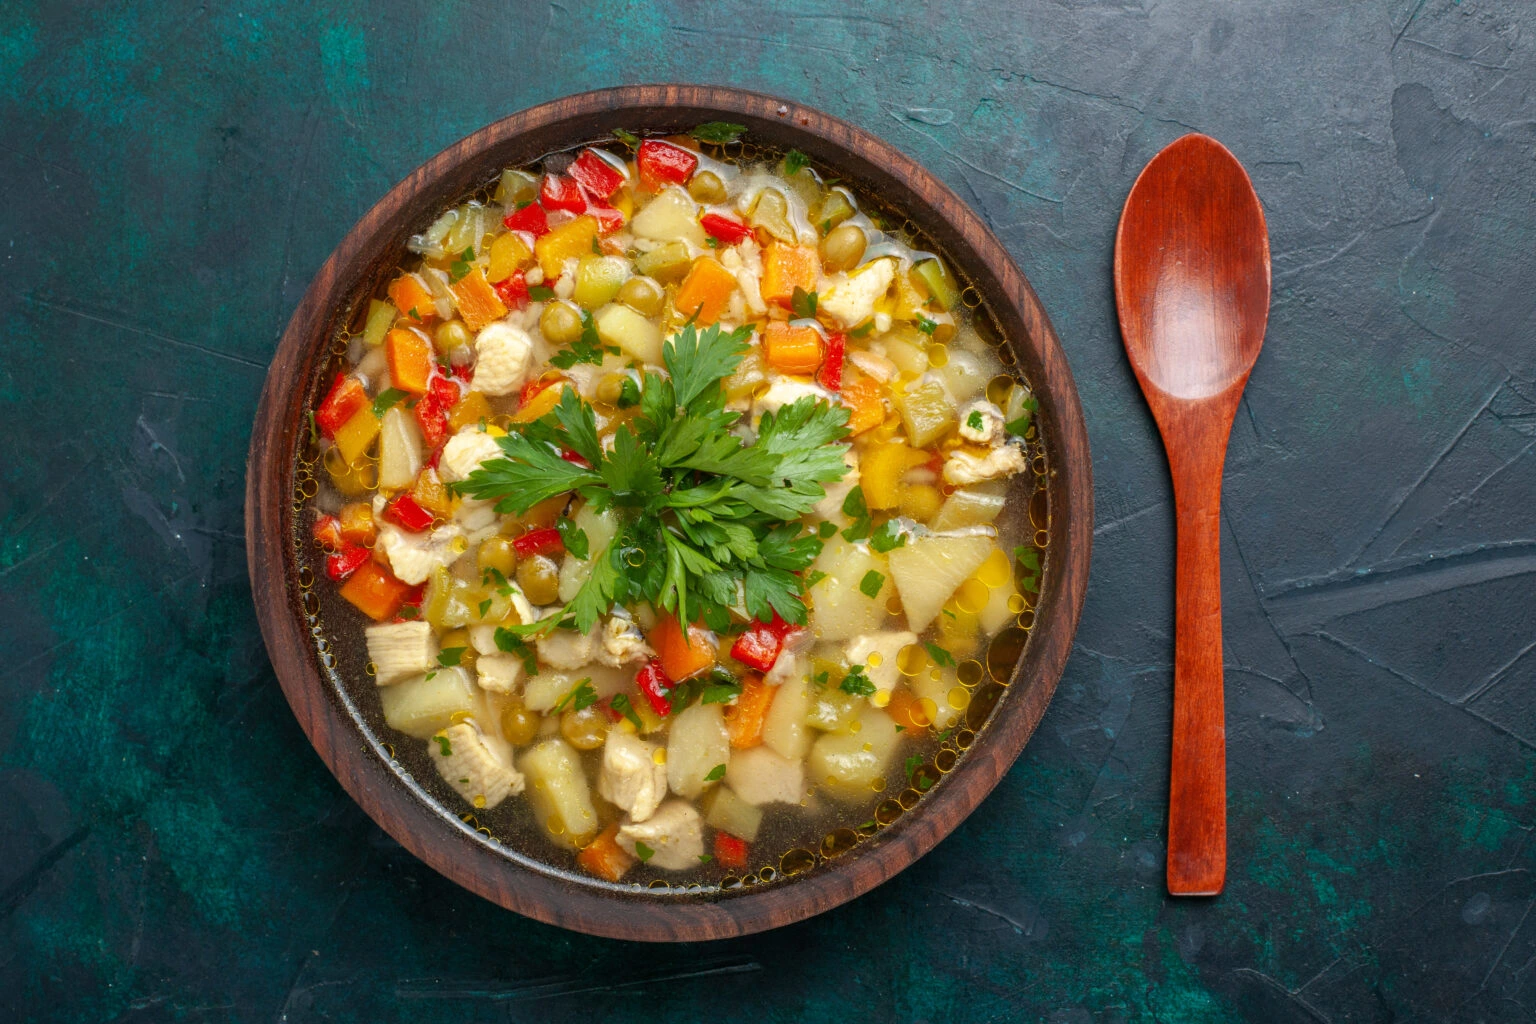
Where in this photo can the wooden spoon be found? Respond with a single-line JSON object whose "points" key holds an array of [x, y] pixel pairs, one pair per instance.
{"points": [[1192, 286]]}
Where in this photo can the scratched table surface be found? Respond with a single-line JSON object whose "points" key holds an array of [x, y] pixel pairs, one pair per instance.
{"points": [[172, 849]]}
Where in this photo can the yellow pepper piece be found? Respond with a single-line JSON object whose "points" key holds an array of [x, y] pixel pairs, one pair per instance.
{"points": [[357, 434], [568, 241], [881, 471]]}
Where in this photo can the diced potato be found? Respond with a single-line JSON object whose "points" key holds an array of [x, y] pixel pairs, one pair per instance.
{"points": [[975, 505], [843, 611], [829, 709], [697, 744], [784, 730], [927, 570], [666, 263], [571, 240], [846, 765], [598, 280], [959, 630], [619, 325], [729, 813], [422, 706], [399, 449], [760, 776], [929, 690], [671, 216], [905, 347], [927, 411], [600, 529], [562, 803], [967, 373]]}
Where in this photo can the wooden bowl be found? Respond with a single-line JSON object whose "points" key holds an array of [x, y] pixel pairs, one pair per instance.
{"points": [[293, 613]]}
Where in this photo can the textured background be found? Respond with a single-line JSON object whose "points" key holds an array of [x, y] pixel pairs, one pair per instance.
{"points": [[171, 848]]}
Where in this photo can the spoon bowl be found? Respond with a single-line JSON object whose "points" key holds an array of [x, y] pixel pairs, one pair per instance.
{"points": [[1192, 287]]}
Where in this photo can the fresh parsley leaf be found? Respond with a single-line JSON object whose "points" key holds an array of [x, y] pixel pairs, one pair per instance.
{"points": [[387, 398], [826, 530], [888, 536], [855, 508], [461, 266], [540, 293], [508, 641], [913, 763], [620, 703], [803, 302], [857, 683], [531, 472], [718, 132], [696, 366], [643, 852], [871, 583], [715, 774], [924, 783], [484, 607], [1020, 426], [939, 655], [720, 692], [826, 226], [574, 537], [976, 420], [450, 655], [705, 858], [630, 139], [794, 162], [629, 394], [814, 578], [586, 349], [1027, 557], [443, 746], [580, 697], [925, 325], [863, 329]]}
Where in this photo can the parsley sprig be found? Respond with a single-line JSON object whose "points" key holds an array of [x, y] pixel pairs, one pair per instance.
{"points": [[711, 522]]}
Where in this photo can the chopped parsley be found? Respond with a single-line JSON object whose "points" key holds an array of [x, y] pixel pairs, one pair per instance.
{"points": [[449, 656], [484, 607], [913, 763], [803, 302], [862, 329], [855, 508], [443, 746], [581, 697], [826, 530], [642, 851], [925, 325], [976, 420], [888, 536], [387, 398], [620, 703], [629, 394], [870, 585], [715, 774], [1020, 426], [718, 132], [314, 431], [1029, 561], [708, 521], [795, 162], [586, 349], [814, 578], [705, 858], [720, 690], [461, 266], [540, 293], [939, 655], [507, 640], [573, 536], [630, 139], [857, 683]]}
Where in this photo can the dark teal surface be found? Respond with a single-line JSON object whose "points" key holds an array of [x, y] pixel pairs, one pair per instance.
{"points": [[172, 849]]}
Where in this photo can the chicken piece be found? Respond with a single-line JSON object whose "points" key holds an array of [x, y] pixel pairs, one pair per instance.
{"points": [[464, 453], [882, 670], [630, 778], [852, 301], [565, 650], [760, 776], [467, 764], [499, 673], [674, 834], [831, 507], [503, 354], [622, 643], [963, 467], [400, 649], [981, 422], [413, 556], [788, 667], [872, 365], [786, 391]]}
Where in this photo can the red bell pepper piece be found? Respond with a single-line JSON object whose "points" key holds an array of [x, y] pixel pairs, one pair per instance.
{"points": [[532, 218], [574, 459], [596, 175], [831, 373], [762, 643], [345, 562], [432, 410], [533, 387], [609, 219], [327, 533], [346, 396], [538, 542], [662, 164], [561, 193], [404, 511], [724, 228], [730, 852], [513, 292], [654, 684]]}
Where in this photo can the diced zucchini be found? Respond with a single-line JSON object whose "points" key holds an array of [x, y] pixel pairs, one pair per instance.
{"points": [[598, 280], [667, 263], [771, 213], [941, 284], [381, 317]]}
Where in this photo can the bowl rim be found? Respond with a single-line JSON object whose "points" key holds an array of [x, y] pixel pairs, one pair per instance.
{"points": [[396, 802]]}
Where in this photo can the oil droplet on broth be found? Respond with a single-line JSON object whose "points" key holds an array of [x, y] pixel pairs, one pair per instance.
{"points": [[998, 390], [875, 659], [838, 842], [972, 596], [929, 709], [855, 726], [1016, 603], [911, 659], [995, 571], [797, 861], [893, 605], [938, 356], [880, 698], [970, 672], [959, 697], [877, 784], [660, 756]]}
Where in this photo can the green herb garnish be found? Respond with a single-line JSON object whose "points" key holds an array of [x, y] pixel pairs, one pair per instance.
{"points": [[975, 420], [913, 763], [620, 703], [803, 302], [574, 537], [939, 655], [715, 774], [540, 292], [450, 656], [643, 852], [870, 585], [507, 640], [461, 266], [708, 520], [630, 139], [855, 508], [314, 430], [814, 577], [443, 746], [586, 349], [718, 132], [857, 683], [794, 162], [862, 329], [580, 697], [705, 858], [387, 398], [826, 530], [925, 325], [1019, 427], [888, 536]]}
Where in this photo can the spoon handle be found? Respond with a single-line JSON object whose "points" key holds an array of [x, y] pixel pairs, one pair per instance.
{"points": [[1197, 798]]}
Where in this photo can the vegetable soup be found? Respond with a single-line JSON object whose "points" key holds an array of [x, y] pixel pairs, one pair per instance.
{"points": [[689, 509]]}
